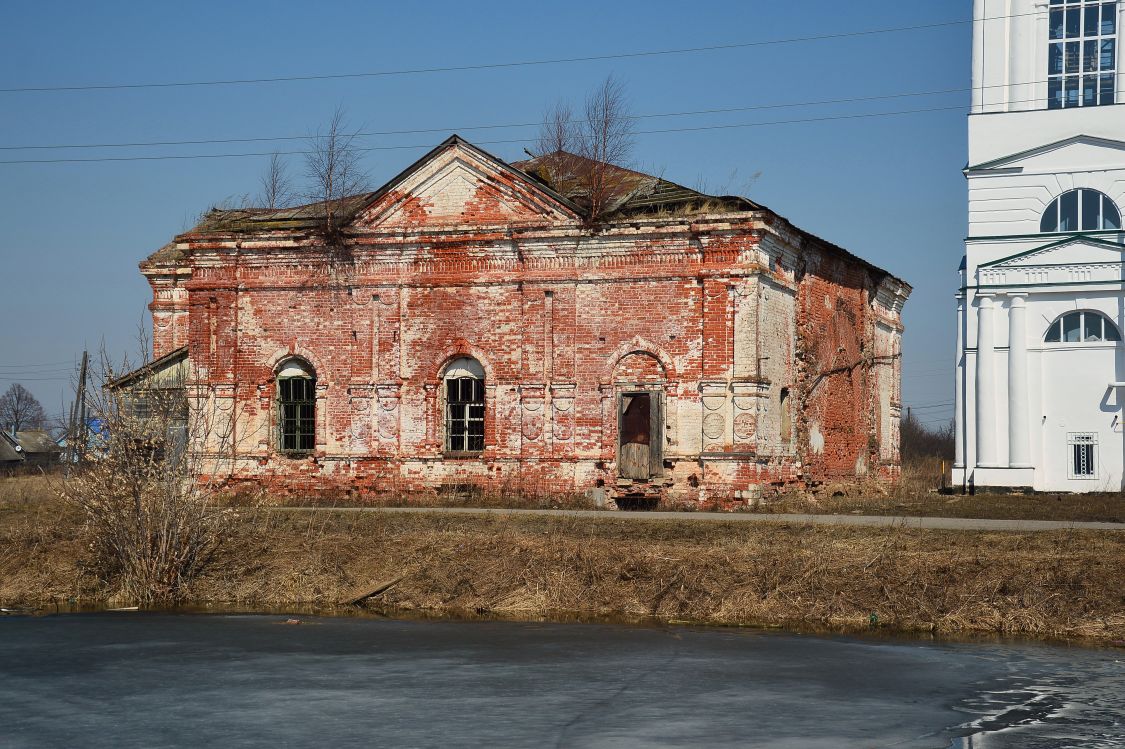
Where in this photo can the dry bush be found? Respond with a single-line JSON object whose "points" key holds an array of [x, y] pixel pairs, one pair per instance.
{"points": [[151, 522], [921, 441]]}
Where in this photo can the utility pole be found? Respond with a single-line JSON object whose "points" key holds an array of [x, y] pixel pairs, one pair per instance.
{"points": [[79, 414]]}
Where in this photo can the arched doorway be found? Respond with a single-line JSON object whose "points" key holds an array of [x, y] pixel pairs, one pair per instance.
{"points": [[639, 381]]}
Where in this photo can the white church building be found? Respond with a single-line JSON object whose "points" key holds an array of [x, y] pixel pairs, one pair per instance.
{"points": [[1040, 360]]}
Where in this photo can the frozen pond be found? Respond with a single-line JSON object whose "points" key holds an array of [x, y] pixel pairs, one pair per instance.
{"points": [[152, 680]]}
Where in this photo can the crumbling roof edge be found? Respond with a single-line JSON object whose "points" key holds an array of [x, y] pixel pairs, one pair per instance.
{"points": [[809, 236], [148, 368]]}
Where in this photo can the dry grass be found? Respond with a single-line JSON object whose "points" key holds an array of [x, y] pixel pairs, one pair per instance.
{"points": [[1053, 584], [40, 541], [1109, 508], [918, 494], [1065, 583]]}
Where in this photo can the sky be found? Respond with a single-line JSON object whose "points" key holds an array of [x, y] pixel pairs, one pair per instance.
{"points": [[888, 187]]}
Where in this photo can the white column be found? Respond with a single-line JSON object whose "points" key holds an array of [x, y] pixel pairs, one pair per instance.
{"points": [[1019, 453], [987, 449], [959, 388], [978, 57], [1037, 59]]}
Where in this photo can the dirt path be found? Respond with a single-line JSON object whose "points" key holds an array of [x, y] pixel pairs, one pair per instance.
{"points": [[877, 521]]}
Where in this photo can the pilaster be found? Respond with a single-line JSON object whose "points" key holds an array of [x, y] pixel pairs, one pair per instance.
{"points": [[1019, 453], [987, 448]]}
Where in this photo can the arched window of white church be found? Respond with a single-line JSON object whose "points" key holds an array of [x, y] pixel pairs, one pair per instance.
{"points": [[1080, 210], [464, 406], [1084, 326], [296, 406], [1081, 54]]}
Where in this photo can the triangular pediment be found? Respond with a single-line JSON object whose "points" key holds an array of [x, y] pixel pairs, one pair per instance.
{"points": [[457, 184], [1078, 250], [1078, 152]]}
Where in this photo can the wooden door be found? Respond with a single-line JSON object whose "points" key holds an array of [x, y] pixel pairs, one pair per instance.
{"points": [[638, 445]]}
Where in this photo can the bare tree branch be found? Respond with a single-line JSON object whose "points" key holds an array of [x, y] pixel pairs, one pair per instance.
{"points": [[557, 133], [149, 490], [277, 188], [603, 140], [606, 139], [334, 169]]}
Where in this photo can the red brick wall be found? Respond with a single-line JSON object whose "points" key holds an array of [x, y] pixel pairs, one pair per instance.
{"points": [[562, 320], [835, 341]]}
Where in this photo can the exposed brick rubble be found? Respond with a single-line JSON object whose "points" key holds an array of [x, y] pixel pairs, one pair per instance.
{"points": [[772, 357]]}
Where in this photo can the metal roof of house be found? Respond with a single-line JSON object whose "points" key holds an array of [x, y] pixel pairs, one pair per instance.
{"points": [[9, 450], [37, 442], [172, 357], [629, 192]]}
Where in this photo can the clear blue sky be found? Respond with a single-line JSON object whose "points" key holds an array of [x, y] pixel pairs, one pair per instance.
{"points": [[71, 234]]}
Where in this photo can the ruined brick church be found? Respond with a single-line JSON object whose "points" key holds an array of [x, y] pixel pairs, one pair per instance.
{"points": [[470, 324]]}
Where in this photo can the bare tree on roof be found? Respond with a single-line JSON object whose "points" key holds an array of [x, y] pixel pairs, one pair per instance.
{"points": [[603, 137], [277, 188], [557, 131], [334, 169], [606, 138], [20, 410]]}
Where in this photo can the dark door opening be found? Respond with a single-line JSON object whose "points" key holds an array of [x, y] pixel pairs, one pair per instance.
{"points": [[638, 447]]}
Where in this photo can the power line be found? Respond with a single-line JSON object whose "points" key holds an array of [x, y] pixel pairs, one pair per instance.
{"points": [[175, 157], [33, 379], [34, 366], [180, 157], [36, 372], [362, 134], [516, 125], [498, 65]]}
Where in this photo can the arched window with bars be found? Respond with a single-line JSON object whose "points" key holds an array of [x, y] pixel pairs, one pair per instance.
{"points": [[296, 407], [463, 392]]}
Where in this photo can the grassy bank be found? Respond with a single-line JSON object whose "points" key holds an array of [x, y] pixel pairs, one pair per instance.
{"points": [[1064, 584]]}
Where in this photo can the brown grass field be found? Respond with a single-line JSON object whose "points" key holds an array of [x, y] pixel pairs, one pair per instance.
{"points": [[918, 494], [1064, 584]]}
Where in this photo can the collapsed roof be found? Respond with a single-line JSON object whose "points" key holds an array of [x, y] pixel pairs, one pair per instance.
{"points": [[565, 176], [562, 176]]}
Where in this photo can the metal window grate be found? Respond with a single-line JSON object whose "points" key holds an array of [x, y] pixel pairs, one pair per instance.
{"points": [[1083, 455], [464, 414], [297, 413]]}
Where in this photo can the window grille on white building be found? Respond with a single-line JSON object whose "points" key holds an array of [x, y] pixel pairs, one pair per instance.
{"points": [[1083, 449], [1080, 210], [1084, 326], [1082, 56]]}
